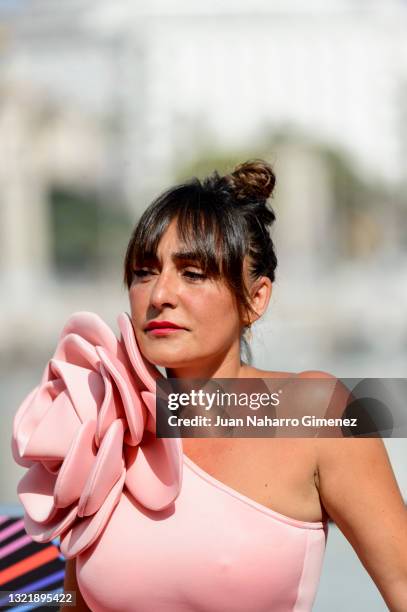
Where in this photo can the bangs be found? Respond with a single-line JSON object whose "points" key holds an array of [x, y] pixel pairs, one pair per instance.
{"points": [[208, 232], [199, 239]]}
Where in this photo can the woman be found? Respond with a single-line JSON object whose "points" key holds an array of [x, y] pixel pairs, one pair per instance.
{"points": [[206, 524]]}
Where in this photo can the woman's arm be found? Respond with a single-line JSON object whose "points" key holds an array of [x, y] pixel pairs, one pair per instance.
{"points": [[359, 491], [71, 584]]}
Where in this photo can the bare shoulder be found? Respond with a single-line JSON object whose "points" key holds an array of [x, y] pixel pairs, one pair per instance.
{"points": [[321, 391], [252, 372], [321, 394], [317, 374]]}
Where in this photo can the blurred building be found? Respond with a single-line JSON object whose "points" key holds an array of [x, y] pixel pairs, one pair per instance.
{"points": [[172, 77], [113, 98]]}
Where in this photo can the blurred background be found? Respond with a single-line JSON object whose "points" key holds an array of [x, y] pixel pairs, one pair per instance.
{"points": [[105, 104]]}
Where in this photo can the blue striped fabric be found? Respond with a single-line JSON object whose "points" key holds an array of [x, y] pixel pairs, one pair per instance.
{"points": [[19, 573]]}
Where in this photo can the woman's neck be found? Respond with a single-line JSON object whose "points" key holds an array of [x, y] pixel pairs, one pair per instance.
{"points": [[229, 367]]}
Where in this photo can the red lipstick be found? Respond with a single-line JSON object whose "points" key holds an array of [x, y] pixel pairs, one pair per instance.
{"points": [[161, 328]]}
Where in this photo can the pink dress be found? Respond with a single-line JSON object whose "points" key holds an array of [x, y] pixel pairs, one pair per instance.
{"points": [[150, 530]]}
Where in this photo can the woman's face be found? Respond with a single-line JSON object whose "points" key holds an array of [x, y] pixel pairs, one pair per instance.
{"points": [[175, 289]]}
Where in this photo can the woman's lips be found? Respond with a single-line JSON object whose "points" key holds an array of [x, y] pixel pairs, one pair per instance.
{"points": [[163, 331]]}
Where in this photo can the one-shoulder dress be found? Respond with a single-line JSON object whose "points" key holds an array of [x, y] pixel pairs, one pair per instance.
{"points": [[149, 529]]}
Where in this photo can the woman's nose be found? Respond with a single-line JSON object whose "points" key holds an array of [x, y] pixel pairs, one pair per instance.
{"points": [[164, 291]]}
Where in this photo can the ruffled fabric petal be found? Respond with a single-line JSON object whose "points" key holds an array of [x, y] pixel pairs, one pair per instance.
{"points": [[84, 386], [147, 373], [41, 532], [110, 409], [36, 493], [154, 472], [133, 407], [31, 413], [76, 467], [49, 440], [25, 406], [77, 351], [89, 430], [105, 471], [85, 533], [91, 328], [150, 401]]}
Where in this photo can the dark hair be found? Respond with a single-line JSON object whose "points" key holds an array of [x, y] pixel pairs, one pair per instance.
{"points": [[220, 220]]}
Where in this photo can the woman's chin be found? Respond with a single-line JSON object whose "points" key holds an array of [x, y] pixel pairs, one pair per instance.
{"points": [[165, 361]]}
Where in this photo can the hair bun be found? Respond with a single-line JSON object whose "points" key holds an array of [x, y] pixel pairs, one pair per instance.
{"points": [[252, 180]]}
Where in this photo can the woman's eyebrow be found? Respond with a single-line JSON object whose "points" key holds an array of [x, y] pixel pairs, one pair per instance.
{"points": [[177, 257], [185, 256]]}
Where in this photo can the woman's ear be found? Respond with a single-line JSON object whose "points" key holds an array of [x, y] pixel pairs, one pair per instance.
{"points": [[260, 294]]}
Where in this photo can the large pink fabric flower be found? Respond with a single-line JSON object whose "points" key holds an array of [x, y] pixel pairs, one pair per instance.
{"points": [[87, 432]]}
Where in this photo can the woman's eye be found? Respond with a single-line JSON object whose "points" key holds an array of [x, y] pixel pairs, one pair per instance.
{"points": [[194, 275], [141, 273]]}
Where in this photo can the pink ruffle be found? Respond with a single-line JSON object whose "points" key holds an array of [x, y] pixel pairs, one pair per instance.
{"points": [[87, 432]]}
